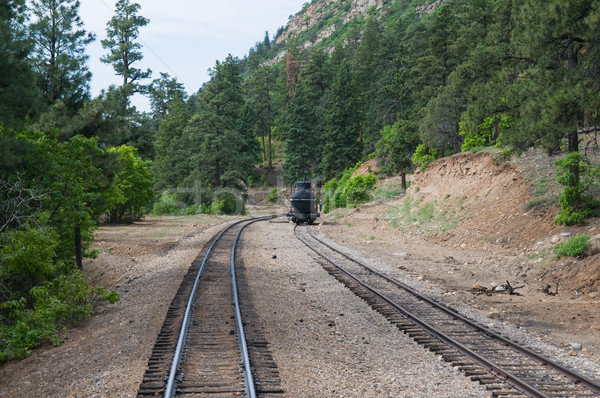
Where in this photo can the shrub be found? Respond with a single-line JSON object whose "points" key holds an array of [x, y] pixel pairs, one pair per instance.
{"points": [[272, 196], [62, 301], [574, 247], [357, 189], [226, 202], [27, 258], [205, 208], [329, 189], [131, 188], [485, 134], [423, 156], [577, 175], [192, 210], [166, 205], [348, 191]]}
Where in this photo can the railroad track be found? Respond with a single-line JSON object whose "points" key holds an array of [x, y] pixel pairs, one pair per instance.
{"points": [[503, 366], [203, 348]]}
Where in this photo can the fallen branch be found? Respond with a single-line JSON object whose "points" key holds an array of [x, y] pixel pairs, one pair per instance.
{"points": [[546, 290]]}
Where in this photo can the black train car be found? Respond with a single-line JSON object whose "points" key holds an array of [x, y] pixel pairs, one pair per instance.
{"points": [[303, 205]]}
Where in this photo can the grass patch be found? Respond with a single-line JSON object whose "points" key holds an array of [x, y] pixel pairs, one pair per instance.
{"points": [[334, 216], [542, 185], [388, 191], [429, 219], [543, 201], [161, 233], [574, 247]]}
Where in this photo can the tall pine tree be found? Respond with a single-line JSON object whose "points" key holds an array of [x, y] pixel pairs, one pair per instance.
{"points": [[18, 93], [342, 147], [122, 33], [59, 52]]}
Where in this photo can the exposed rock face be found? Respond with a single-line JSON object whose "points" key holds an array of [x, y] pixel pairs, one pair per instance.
{"points": [[315, 13], [428, 8], [361, 7]]}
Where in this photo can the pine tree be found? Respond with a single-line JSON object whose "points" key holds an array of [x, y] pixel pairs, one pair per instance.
{"points": [[219, 161], [485, 38], [124, 50], [171, 163], [226, 155], [162, 91], [223, 93], [342, 147], [366, 76], [18, 92], [558, 82], [259, 94], [300, 138], [59, 53]]}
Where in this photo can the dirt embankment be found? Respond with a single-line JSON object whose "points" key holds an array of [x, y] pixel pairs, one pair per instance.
{"points": [[492, 202]]}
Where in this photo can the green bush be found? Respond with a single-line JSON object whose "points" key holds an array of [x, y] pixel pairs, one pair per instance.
{"points": [[272, 196], [131, 188], [423, 156], [485, 134], [575, 200], [226, 202], [166, 205], [574, 247], [62, 301], [348, 191], [358, 187], [192, 210], [205, 208], [329, 189], [27, 258]]}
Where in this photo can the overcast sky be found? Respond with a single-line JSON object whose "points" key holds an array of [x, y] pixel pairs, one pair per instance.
{"points": [[186, 37]]}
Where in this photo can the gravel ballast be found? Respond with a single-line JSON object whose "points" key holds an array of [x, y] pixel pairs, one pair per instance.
{"points": [[326, 341]]}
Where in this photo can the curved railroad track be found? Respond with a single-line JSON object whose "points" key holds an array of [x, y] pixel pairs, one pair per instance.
{"points": [[204, 349], [503, 366]]}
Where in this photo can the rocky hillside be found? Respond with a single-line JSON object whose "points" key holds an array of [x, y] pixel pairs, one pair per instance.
{"points": [[325, 17], [319, 12]]}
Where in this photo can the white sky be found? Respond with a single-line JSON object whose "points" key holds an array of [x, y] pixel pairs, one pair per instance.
{"points": [[186, 37]]}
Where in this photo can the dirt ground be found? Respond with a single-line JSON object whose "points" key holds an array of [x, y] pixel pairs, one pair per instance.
{"points": [[464, 226]]}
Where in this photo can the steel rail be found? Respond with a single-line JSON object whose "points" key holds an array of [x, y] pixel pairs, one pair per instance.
{"points": [[431, 330], [238, 316], [576, 377], [493, 368], [170, 386]]}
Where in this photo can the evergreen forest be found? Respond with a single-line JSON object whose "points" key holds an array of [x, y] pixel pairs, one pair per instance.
{"points": [[396, 83]]}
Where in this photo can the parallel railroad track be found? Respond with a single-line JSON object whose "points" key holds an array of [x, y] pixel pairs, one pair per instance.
{"points": [[503, 366], [203, 348]]}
